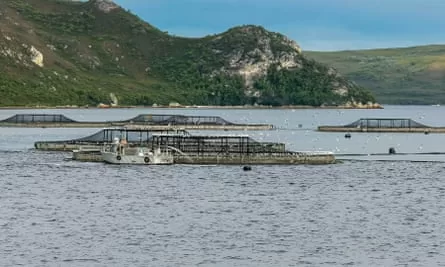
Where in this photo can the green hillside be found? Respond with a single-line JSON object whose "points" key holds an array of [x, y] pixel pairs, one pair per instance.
{"points": [[414, 75], [80, 53]]}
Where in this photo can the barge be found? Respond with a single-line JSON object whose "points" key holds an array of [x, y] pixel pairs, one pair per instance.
{"points": [[272, 158]]}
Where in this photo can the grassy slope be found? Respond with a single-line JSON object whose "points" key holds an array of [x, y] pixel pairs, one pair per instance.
{"points": [[81, 36], [414, 75]]}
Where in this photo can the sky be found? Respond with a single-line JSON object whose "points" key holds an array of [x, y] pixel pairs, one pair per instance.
{"points": [[321, 25]]}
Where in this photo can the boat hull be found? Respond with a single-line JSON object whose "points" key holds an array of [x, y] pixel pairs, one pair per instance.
{"points": [[114, 158]]}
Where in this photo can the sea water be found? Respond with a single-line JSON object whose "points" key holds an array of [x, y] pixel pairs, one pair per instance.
{"points": [[375, 212]]}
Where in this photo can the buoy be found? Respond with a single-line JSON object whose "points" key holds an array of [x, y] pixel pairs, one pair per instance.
{"points": [[247, 168], [392, 150], [348, 135]]}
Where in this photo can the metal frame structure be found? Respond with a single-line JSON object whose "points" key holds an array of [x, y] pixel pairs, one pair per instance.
{"points": [[38, 118], [180, 141], [107, 135], [216, 144], [143, 119], [385, 123], [166, 119]]}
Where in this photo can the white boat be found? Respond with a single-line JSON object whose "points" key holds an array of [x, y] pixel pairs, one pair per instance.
{"points": [[121, 153]]}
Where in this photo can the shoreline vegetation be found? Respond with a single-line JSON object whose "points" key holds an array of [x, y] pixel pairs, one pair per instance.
{"points": [[347, 106]]}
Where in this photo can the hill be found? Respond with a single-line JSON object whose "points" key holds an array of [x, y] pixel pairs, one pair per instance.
{"points": [[86, 53], [413, 75]]}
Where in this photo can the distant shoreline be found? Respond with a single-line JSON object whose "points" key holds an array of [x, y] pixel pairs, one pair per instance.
{"points": [[377, 106]]}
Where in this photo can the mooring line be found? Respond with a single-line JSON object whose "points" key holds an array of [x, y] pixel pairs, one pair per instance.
{"points": [[388, 154]]}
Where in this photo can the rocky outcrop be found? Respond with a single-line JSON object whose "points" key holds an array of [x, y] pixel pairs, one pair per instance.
{"points": [[36, 56], [257, 50], [253, 63], [106, 5], [359, 105]]}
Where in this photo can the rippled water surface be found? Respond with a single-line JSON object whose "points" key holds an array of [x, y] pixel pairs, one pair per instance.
{"points": [[57, 212]]}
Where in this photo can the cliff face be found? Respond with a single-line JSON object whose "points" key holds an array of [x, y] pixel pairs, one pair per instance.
{"points": [[71, 52], [252, 61]]}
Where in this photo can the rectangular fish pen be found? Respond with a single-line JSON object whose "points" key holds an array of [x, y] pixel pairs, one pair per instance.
{"points": [[402, 125], [105, 136], [215, 144], [146, 121], [234, 149]]}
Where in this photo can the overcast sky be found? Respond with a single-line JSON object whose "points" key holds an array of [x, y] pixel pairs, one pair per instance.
{"points": [[314, 24]]}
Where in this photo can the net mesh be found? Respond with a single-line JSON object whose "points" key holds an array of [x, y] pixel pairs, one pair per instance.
{"points": [[159, 119], [108, 135], [217, 144], [385, 123], [36, 118], [181, 140], [148, 119]]}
